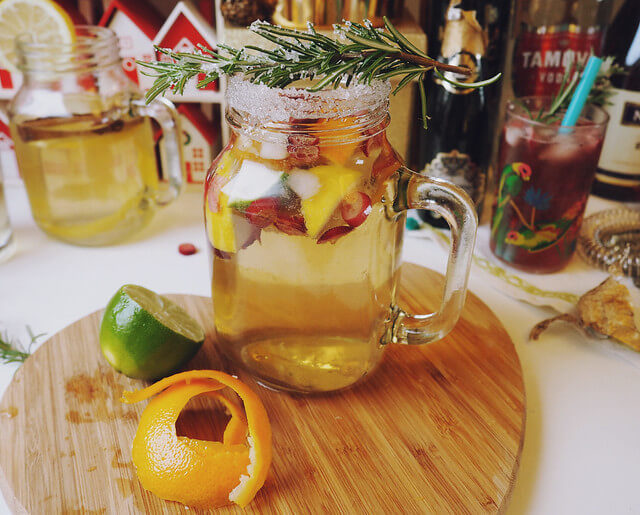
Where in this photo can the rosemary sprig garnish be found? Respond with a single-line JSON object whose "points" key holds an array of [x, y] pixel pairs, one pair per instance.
{"points": [[360, 53], [599, 94], [14, 352]]}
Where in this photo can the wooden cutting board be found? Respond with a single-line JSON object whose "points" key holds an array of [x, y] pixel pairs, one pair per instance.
{"points": [[436, 429]]}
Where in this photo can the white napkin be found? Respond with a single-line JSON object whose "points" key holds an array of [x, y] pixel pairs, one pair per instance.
{"points": [[559, 291]]}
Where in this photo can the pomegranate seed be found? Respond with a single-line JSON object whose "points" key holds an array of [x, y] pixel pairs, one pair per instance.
{"points": [[186, 249], [355, 208], [334, 233]]}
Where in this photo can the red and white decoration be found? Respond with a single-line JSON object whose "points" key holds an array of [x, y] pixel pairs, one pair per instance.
{"points": [[200, 137], [183, 31], [136, 23], [139, 26], [10, 81], [8, 163]]}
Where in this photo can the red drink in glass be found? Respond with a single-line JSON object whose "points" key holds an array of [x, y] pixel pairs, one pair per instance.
{"points": [[546, 176]]}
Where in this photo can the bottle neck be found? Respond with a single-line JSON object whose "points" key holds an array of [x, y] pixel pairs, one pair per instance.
{"points": [[464, 43]]}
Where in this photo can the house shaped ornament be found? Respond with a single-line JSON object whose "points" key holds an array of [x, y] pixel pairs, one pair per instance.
{"points": [[8, 163], [136, 23], [200, 139], [10, 81], [183, 31]]}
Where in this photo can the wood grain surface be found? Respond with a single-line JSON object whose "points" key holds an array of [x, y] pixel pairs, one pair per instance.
{"points": [[435, 429]]}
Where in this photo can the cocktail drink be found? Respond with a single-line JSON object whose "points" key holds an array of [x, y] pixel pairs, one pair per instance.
{"points": [[84, 141], [87, 178], [304, 213], [546, 176]]}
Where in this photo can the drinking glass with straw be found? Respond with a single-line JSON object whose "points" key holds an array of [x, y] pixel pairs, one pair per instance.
{"points": [[547, 167]]}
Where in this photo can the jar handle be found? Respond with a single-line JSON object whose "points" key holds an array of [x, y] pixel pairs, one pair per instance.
{"points": [[164, 112], [416, 191]]}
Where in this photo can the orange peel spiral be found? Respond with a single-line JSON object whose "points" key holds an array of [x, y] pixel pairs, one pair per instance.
{"points": [[199, 473]]}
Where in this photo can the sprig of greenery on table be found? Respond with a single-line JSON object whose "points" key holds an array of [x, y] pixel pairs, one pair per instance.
{"points": [[13, 351], [360, 53], [599, 94]]}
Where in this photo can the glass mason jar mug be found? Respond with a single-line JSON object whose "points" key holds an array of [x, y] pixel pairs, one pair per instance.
{"points": [[304, 212], [84, 141]]}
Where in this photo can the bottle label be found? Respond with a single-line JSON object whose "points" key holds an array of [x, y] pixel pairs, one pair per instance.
{"points": [[459, 169], [620, 155], [540, 60], [464, 43]]}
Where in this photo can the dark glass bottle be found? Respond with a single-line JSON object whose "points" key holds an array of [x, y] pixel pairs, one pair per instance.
{"points": [[457, 144], [618, 175]]}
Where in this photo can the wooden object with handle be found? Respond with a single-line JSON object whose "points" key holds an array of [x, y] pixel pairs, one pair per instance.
{"points": [[435, 429]]}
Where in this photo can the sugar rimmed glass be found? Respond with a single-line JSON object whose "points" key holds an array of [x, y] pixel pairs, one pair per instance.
{"points": [[304, 212]]}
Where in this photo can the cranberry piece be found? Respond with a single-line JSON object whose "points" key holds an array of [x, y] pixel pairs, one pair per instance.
{"points": [[355, 208], [187, 249], [262, 212], [334, 233]]}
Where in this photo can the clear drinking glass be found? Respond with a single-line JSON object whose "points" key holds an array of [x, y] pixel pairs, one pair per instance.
{"points": [[305, 211], [6, 233], [546, 176], [84, 143]]}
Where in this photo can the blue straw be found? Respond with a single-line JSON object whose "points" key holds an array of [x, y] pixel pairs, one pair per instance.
{"points": [[582, 92]]}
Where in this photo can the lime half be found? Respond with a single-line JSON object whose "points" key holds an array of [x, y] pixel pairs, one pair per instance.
{"points": [[146, 335]]}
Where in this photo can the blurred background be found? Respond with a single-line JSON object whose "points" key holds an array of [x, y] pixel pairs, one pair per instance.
{"points": [[530, 42]]}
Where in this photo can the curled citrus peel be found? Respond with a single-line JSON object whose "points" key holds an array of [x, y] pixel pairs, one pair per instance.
{"points": [[199, 473]]}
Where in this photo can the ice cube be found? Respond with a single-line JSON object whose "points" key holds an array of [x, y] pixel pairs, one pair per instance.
{"points": [[273, 150], [253, 180], [512, 134], [305, 184], [544, 133], [564, 149], [515, 133], [589, 138]]}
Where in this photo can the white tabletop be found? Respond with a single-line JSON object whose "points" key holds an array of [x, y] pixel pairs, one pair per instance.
{"points": [[582, 445]]}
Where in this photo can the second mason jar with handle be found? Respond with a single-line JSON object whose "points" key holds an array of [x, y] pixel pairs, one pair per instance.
{"points": [[305, 211], [84, 142]]}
